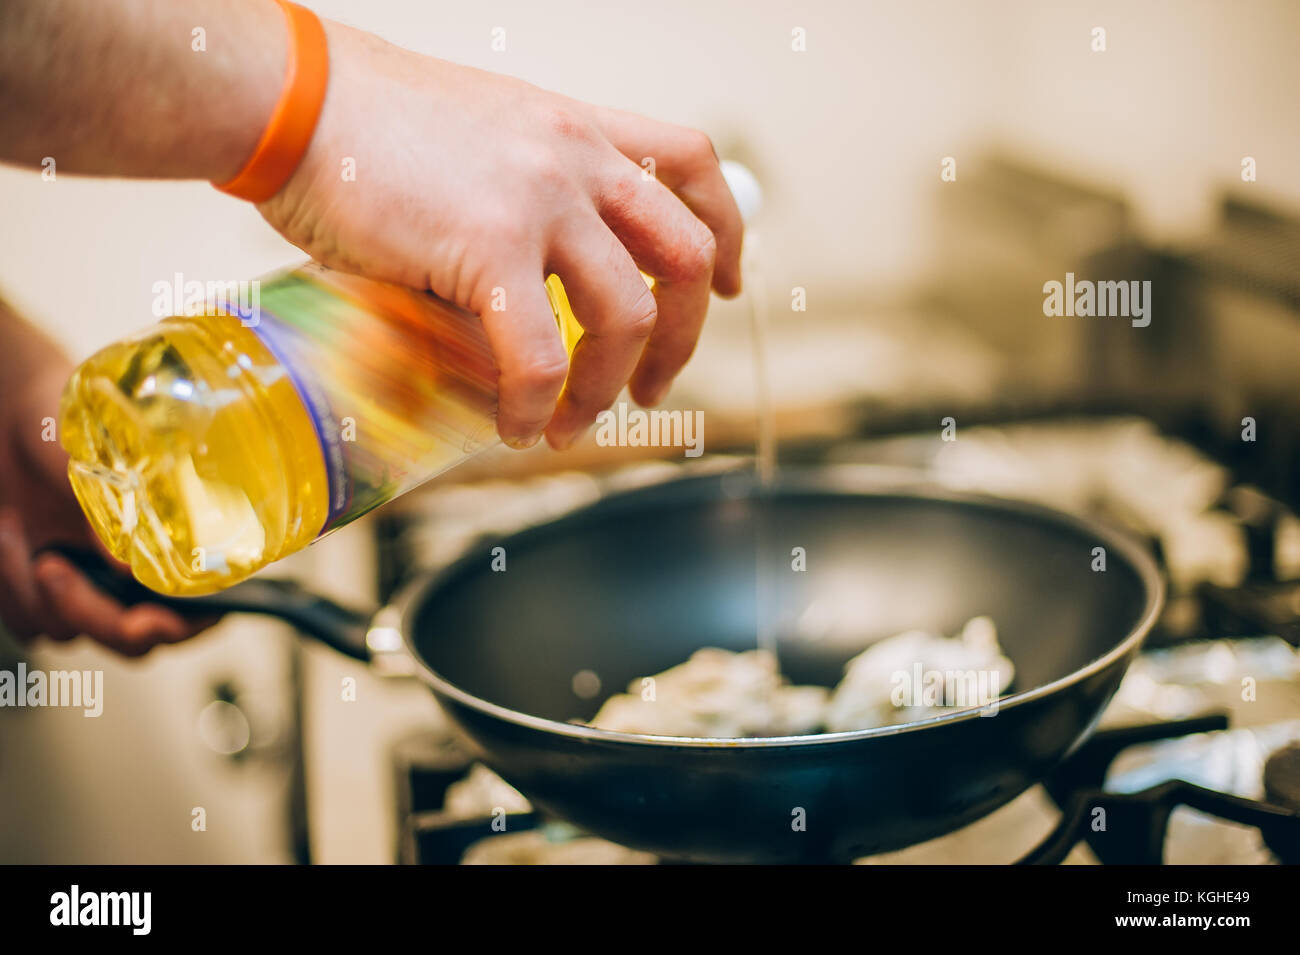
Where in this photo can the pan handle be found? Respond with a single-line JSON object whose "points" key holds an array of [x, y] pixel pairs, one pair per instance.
{"points": [[342, 628]]}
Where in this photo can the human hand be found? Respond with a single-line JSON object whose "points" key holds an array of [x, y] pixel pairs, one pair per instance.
{"points": [[477, 186]]}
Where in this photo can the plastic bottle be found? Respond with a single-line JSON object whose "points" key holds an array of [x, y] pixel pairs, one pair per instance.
{"points": [[208, 446]]}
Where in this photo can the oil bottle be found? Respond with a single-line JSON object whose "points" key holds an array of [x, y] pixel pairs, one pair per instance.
{"points": [[208, 446]]}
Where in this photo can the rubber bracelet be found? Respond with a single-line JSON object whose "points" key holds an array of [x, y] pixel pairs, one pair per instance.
{"points": [[293, 122]]}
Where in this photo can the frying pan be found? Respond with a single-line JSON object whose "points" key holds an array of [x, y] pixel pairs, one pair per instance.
{"points": [[636, 582]]}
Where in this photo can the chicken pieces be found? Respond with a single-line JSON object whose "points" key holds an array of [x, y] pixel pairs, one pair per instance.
{"points": [[717, 693], [909, 676], [726, 695]]}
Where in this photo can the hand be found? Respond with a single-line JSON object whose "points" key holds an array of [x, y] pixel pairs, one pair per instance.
{"points": [[46, 594], [470, 183]]}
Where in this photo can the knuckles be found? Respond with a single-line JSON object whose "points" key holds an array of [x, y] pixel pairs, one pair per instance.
{"points": [[540, 373], [568, 124], [698, 147], [692, 259], [553, 163], [643, 314]]}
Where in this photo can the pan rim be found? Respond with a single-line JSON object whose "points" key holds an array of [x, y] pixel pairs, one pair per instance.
{"points": [[849, 480]]}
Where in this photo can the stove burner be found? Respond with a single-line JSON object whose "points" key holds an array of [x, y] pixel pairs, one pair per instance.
{"points": [[1135, 824]]}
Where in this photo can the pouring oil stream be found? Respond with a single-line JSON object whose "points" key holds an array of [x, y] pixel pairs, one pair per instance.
{"points": [[748, 195]]}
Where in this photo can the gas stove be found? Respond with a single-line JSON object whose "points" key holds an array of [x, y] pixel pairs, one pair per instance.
{"points": [[1196, 760], [1180, 791]]}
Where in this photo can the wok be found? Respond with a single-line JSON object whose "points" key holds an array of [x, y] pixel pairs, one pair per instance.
{"points": [[635, 583]]}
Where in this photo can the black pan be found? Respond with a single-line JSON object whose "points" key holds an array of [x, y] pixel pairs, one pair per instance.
{"points": [[636, 582]]}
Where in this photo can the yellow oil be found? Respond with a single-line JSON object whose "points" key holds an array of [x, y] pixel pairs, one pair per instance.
{"points": [[192, 454], [195, 458]]}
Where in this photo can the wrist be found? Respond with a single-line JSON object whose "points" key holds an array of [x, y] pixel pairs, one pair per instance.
{"points": [[250, 67], [291, 126]]}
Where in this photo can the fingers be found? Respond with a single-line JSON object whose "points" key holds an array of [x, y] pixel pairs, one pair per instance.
{"points": [[685, 162], [153, 624], [19, 602], [617, 311], [529, 354], [682, 305], [75, 606], [50, 596], [668, 241]]}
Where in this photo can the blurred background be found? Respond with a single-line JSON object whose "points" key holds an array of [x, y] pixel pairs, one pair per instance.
{"points": [[924, 300]]}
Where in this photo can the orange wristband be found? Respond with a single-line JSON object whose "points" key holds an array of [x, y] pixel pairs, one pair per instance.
{"points": [[289, 133]]}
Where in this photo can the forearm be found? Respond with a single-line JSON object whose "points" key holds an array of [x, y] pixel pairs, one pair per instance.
{"points": [[114, 87]]}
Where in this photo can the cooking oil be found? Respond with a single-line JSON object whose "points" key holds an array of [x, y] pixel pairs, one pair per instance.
{"points": [[768, 560], [209, 446]]}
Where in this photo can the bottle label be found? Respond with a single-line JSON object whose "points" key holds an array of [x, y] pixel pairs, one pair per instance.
{"points": [[399, 385]]}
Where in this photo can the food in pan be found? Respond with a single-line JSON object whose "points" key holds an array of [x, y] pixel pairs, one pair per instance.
{"points": [[717, 693], [907, 677]]}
